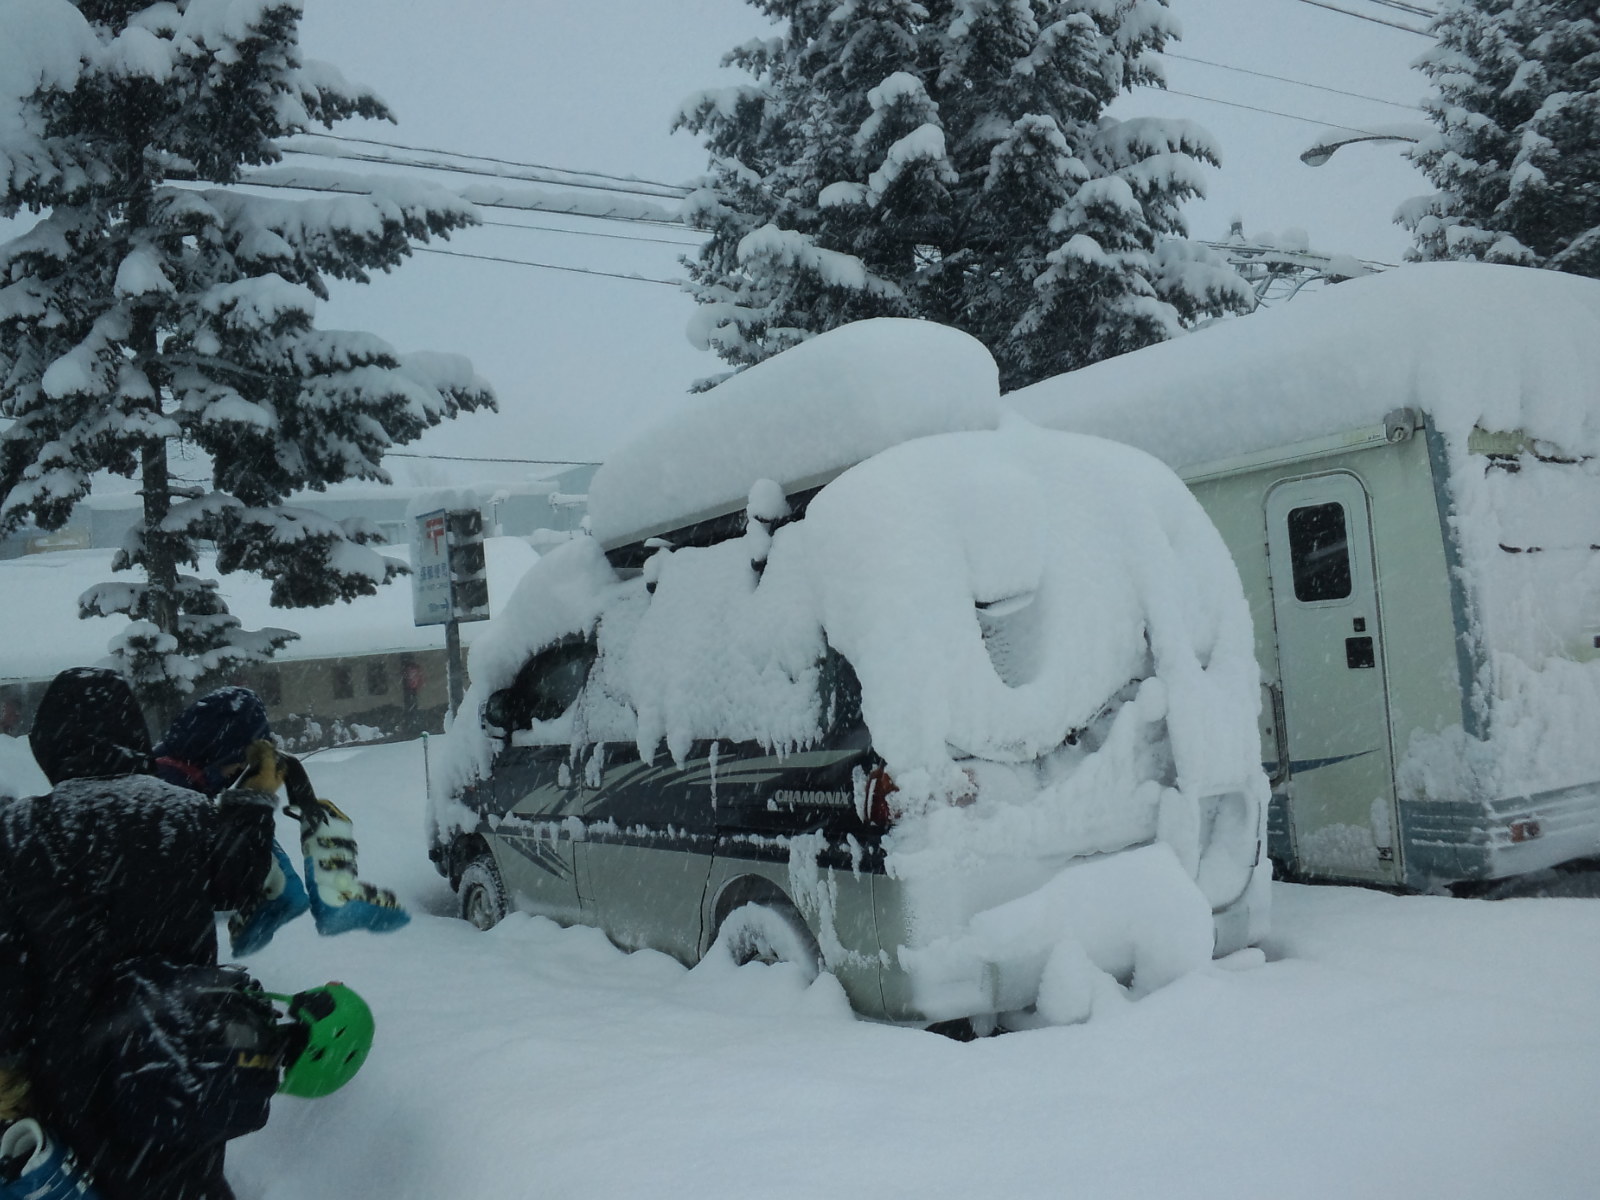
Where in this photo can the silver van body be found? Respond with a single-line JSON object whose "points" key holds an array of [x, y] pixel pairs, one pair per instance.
{"points": [[930, 899]]}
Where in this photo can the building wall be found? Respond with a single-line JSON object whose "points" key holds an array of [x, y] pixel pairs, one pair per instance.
{"points": [[312, 702]]}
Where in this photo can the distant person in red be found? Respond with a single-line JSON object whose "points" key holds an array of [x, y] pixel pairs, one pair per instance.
{"points": [[411, 681]]}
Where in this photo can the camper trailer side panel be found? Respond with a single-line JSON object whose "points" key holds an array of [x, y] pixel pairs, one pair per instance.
{"points": [[1416, 634]]}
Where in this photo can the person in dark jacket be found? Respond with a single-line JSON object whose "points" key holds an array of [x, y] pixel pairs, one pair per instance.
{"points": [[111, 867]]}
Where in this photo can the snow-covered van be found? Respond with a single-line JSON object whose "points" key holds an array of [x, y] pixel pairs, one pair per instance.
{"points": [[1407, 471], [856, 672]]}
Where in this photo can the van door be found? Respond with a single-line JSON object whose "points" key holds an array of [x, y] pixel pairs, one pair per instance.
{"points": [[647, 845], [533, 787], [1335, 694]]}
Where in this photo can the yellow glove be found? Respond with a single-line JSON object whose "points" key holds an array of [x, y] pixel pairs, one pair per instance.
{"points": [[13, 1094], [262, 770]]}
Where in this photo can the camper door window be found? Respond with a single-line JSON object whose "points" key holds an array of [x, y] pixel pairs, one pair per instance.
{"points": [[1319, 552]]}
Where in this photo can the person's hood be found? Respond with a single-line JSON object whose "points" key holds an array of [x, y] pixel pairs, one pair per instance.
{"points": [[89, 726], [212, 733]]}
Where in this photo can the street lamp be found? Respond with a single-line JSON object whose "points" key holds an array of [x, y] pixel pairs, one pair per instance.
{"points": [[1330, 140]]}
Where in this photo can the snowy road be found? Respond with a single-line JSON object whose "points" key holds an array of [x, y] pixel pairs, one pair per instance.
{"points": [[1413, 1047], [1410, 1047]]}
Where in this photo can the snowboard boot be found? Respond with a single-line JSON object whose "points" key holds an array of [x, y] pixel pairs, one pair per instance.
{"points": [[339, 901], [281, 900], [33, 1167]]}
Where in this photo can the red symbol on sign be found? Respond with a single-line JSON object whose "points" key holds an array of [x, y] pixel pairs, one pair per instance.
{"points": [[433, 530]]}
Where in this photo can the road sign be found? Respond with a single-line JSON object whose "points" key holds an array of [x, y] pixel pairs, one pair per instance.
{"points": [[430, 569]]}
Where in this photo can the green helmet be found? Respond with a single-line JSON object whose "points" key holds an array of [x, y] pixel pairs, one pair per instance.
{"points": [[336, 1027]]}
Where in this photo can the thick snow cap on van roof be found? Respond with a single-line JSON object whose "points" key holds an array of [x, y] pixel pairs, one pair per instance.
{"points": [[799, 418], [1470, 344]]}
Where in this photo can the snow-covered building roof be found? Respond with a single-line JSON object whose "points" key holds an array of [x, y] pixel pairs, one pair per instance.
{"points": [[39, 595], [1500, 348]]}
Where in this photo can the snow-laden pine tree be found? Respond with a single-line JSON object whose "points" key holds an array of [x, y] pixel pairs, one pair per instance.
{"points": [[952, 160], [155, 308], [1516, 149]]}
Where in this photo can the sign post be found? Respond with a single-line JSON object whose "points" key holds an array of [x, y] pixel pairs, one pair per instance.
{"points": [[449, 582]]}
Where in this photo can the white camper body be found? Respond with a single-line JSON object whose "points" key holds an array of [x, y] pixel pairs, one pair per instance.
{"points": [[1407, 472]]}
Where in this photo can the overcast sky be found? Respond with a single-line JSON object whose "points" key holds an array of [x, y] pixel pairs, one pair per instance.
{"points": [[581, 361]]}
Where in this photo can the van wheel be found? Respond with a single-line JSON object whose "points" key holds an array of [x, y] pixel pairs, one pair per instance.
{"points": [[482, 897], [769, 933]]}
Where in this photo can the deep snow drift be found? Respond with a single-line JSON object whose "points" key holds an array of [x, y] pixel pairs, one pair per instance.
{"points": [[1391, 1047]]}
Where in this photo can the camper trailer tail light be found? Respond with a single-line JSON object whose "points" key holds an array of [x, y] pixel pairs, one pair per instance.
{"points": [[1525, 831]]}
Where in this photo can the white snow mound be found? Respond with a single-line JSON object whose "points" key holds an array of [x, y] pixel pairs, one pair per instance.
{"points": [[799, 418]]}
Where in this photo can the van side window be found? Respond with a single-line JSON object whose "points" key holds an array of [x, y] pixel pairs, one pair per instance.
{"points": [[841, 697], [549, 684], [1319, 552]]}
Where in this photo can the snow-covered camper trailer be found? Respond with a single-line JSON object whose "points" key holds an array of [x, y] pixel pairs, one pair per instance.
{"points": [[856, 673], [1407, 471]]}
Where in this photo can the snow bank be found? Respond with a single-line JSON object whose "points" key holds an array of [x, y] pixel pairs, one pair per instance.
{"points": [[799, 418], [1376, 1023], [1134, 916]]}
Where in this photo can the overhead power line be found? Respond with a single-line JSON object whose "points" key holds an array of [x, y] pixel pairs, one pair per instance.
{"points": [[322, 181], [522, 262], [535, 462], [595, 233], [508, 162], [1365, 17], [1206, 62], [1416, 10], [520, 175], [1271, 112]]}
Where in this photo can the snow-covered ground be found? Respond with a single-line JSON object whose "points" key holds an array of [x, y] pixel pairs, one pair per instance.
{"points": [[1386, 1046]]}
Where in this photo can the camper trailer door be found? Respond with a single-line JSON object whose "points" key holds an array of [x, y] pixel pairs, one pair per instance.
{"points": [[1330, 652]]}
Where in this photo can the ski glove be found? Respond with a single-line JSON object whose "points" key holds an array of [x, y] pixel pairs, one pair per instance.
{"points": [[13, 1094], [263, 769], [339, 900], [300, 795]]}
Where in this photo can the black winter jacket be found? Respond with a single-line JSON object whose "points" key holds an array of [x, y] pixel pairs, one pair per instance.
{"points": [[97, 872]]}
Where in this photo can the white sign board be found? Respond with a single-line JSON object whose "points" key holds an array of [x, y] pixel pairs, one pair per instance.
{"points": [[430, 570]]}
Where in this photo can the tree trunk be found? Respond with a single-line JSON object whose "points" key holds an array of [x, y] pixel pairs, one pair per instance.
{"points": [[160, 566]]}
